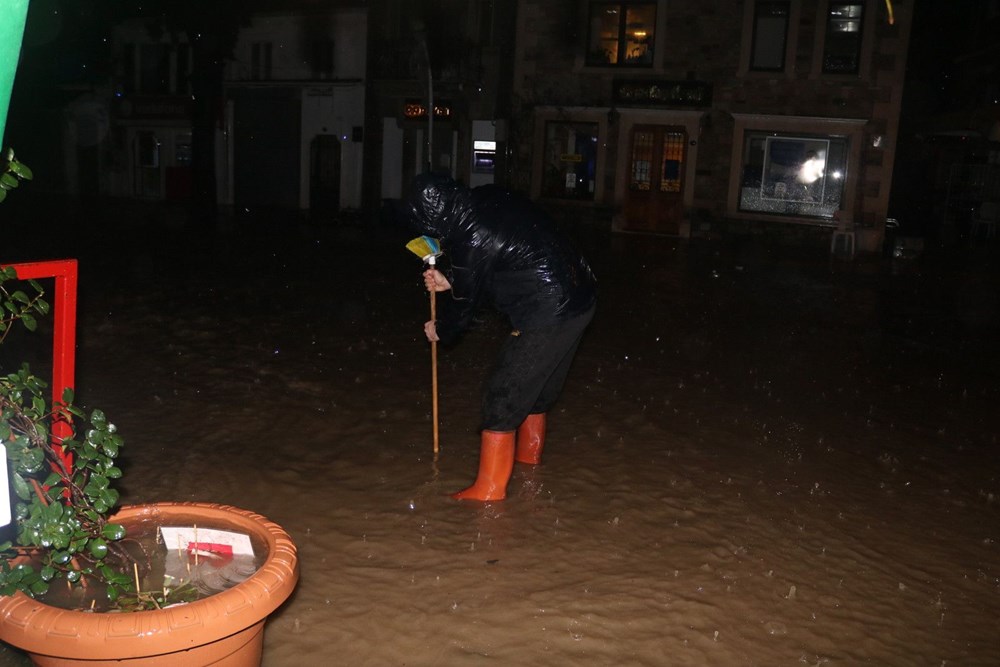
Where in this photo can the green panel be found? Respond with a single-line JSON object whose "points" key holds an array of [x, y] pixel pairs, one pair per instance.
{"points": [[12, 15]]}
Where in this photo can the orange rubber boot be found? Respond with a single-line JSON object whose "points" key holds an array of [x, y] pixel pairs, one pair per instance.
{"points": [[531, 439], [496, 462]]}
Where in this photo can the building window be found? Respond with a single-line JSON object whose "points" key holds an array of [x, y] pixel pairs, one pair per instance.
{"points": [[182, 76], [570, 160], [260, 61], [793, 175], [621, 34], [770, 36], [182, 149], [128, 68], [842, 46], [154, 69], [322, 59]]}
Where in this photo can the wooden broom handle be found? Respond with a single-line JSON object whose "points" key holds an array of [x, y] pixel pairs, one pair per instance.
{"points": [[434, 374]]}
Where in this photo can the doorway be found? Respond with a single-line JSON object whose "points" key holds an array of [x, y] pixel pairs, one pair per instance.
{"points": [[654, 201], [324, 174]]}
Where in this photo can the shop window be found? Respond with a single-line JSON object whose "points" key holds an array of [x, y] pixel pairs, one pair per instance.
{"points": [[570, 160], [793, 175], [621, 34], [842, 45], [770, 36]]}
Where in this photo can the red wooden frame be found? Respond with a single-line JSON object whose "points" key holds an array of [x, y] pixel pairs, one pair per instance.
{"points": [[64, 334]]}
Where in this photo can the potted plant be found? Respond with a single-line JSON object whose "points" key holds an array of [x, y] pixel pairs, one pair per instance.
{"points": [[69, 531]]}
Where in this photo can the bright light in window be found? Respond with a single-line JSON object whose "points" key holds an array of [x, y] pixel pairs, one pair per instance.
{"points": [[812, 169]]}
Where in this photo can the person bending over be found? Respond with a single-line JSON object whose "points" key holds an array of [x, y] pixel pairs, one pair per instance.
{"points": [[505, 251]]}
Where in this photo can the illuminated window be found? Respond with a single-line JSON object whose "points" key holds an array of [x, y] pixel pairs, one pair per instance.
{"points": [[570, 160], [642, 158], [673, 159], [793, 175], [842, 46], [621, 34]]}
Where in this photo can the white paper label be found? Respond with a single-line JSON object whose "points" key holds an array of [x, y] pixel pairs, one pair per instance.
{"points": [[5, 492], [206, 540]]}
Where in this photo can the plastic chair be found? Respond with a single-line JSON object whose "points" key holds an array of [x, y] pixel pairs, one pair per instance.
{"points": [[843, 233], [986, 217]]}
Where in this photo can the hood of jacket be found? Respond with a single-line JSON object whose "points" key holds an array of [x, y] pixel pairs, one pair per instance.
{"points": [[436, 205]]}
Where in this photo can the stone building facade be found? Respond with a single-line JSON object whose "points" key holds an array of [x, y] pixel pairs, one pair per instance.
{"points": [[686, 118]]}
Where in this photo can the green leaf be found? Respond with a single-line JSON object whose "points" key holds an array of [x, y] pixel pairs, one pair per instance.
{"points": [[29, 322], [8, 180], [21, 487], [39, 588], [68, 395], [98, 548], [113, 532], [21, 170]]}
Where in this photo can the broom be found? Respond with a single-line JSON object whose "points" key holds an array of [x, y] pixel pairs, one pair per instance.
{"points": [[428, 249]]}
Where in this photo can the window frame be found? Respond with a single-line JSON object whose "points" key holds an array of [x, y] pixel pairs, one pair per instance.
{"points": [[589, 191], [850, 131], [756, 32], [868, 30], [747, 42], [261, 61], [622, 41], [828, 32]]}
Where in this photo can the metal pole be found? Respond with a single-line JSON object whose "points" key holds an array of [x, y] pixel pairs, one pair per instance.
{"points": [[430, 109]]}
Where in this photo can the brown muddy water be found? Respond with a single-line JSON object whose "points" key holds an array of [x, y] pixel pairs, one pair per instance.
{"points": [[762, 457]]}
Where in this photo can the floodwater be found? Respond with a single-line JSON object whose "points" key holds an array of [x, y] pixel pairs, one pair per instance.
{"points": [[762, 456]]}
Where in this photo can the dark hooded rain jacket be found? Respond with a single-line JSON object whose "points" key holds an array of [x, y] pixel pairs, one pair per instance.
{"points": [[504, 251]]}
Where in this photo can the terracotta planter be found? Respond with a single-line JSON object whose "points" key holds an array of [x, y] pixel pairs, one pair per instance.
{"points": [[224, 630]]}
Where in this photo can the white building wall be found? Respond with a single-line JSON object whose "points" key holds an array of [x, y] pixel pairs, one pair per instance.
{"points": [[292, 37], [335, 110], [331, 103], [392, 159]]}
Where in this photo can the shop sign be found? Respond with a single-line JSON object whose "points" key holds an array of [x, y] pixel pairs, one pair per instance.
{"points": [[413, 109], [662, 93]]}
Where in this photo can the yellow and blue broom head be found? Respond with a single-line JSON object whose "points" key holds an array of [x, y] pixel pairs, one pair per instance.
{"points": [[425, 247]]}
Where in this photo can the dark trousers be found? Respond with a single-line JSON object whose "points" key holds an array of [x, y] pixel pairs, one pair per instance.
{"points": [[530, 372]]}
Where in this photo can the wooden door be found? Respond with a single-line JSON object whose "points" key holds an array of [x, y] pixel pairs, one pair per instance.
{"points": [[654, 201]]}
